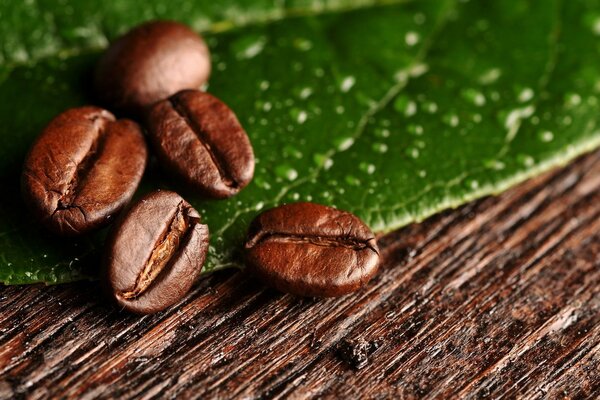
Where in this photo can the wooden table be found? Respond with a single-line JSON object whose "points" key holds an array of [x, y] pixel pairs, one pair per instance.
{"points": [[498, 298]]}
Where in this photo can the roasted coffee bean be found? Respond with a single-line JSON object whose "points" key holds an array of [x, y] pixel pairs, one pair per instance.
{"points": [[311, 250], [155, 253], [82, 170], [150, 63], [200, 140]]}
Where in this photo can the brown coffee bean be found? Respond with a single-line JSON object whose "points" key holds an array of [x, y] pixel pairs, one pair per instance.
{"points": [[200, 140], [155, 253], [82, 170], [149, 63], [311, 250]]}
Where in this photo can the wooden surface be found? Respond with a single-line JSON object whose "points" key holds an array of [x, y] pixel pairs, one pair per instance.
{"points": [[498, 298]]}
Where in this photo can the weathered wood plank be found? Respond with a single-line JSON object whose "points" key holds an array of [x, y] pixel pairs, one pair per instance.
{"points": [[498, 298]]}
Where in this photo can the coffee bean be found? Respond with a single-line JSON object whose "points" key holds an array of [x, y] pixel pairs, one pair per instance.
{"points": [[155, 253], [150, 63], [200, 140], [82, 170], [311, 250]]}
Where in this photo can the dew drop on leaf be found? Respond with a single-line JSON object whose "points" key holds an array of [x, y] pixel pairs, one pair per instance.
{"points": [[248, 47], [572, 99], [411, 38], [305, 93], [405, 105], [352, 180], [546, 136], [343, 143], [264, 85], [322, 161], [366, 167], [474, 97], [413, 152], [347, 84], [526, 94], [286, 172], [415, 129], [490, 76], [494, 164], [526, 160], [451, 119], [380, 147]]}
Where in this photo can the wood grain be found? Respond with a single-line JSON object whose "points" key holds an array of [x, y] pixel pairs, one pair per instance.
{"points": [[500, 298]]}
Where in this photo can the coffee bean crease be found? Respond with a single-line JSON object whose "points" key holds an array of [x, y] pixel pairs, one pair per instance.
{"points": [[164, 250], [84, 167], [349, 242], [204, 140]]}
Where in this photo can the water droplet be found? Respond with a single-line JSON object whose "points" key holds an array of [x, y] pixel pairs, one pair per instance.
{"points": [[347, 84], [526, 160], [286, 172], [596, 26], [526, 94], [292, 152], [494, 164], [490, 76], [343, 143], [420, 144], [352, 180], [264, 85], [422, 173], [382, 132], [380, 147], [430, 107], [303, 44], [411, 38], [405, 105], [340, 109], [249, 46], [413, 152], [261, 183], [473, 184], [259, 206], [366, 167], [451, 119], [474, 96], [267, 106], [305, 93], [573, 99], [301, 117], [419, 18], [322, 161], [514, 117], [298, 115], [546, 136]]}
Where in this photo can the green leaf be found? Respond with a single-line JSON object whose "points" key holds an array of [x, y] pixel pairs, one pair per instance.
{"points": [[391, 111]]}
